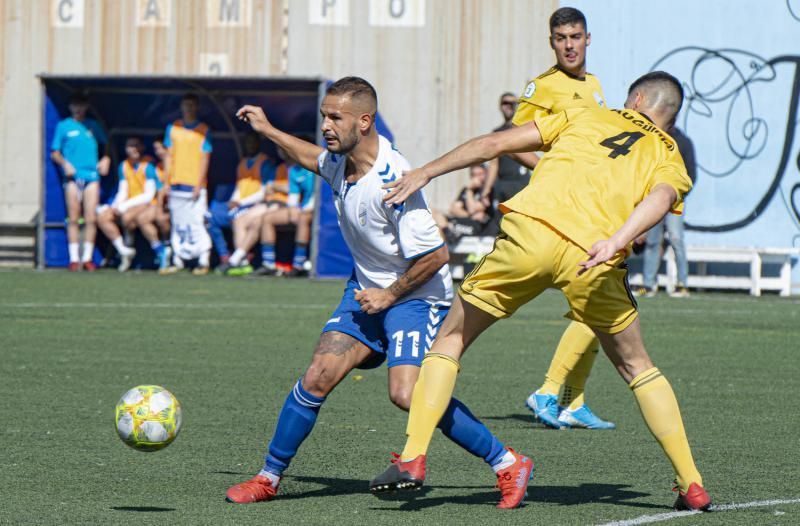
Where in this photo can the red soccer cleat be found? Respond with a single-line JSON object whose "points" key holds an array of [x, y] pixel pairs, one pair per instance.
{"points": [[257, 489], [695, 499], [74, 266], [513, 481], [400, 476], [89, 266]]}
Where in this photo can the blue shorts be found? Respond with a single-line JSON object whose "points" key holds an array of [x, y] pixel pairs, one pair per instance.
{"points": [[401, 334], [87, 175], [81, 184]]}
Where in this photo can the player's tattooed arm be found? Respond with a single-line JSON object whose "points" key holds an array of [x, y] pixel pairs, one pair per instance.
{"points": [[421, 270], [305, 153]]}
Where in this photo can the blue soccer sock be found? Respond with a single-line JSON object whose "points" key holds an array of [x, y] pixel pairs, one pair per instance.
{"points": [[268, 254], [295, 422], [300, 254], [462, 427]]}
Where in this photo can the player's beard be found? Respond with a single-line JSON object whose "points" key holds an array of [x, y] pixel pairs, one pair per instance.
{"points": [[347, 144]]}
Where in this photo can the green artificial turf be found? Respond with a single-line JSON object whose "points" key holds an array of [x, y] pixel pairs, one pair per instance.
{"points": [[230, 350]]}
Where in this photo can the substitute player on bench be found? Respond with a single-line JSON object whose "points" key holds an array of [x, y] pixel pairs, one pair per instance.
{"points": [[608, 177], [134, 204], [393, 303]]}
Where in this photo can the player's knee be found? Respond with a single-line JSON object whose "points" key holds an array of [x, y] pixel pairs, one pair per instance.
{"points": [[319, 380], [401, 396]]}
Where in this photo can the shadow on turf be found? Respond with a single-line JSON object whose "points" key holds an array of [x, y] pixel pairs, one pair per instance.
{"points": [[615, 494], [150, 509], [563, 495], [520, 417]]}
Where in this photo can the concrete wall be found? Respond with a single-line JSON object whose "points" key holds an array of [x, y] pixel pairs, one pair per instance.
{"points": [[108, 37], [439, 65]]}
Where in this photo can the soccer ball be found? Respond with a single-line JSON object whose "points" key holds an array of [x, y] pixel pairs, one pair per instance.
{"points": [[148, 418]]}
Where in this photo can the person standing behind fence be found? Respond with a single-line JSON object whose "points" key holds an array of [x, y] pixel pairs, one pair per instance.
{"points": [[76, 149], [189, 144], [674, 227]]}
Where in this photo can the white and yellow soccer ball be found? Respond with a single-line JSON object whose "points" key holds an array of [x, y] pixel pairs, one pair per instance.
{"points": [[148, 418]]}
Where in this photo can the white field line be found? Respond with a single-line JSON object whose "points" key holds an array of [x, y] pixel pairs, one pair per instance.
{"points": [[199, 305], [661, 517]]}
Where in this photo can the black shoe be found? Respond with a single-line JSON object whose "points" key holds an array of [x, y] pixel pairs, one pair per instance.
{"points": [[400, 476], [297, 272], [265, 271]]}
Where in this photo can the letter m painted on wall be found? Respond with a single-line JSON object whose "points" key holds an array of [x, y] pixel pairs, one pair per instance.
{"points": [[229, 13]]}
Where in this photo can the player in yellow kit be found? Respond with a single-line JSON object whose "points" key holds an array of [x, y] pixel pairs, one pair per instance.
{"points": [[564, 86], [608, 177]]}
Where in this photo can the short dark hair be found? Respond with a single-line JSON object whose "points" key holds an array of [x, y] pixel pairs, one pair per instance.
{"points": [[134, 138], [159, 138], [78, 97], [508, 94], [567, 16], [355, 87], [670, 88], [192, 97]]}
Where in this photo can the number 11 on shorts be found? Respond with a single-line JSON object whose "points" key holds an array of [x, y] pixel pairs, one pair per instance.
{"points": [[398, 343]]}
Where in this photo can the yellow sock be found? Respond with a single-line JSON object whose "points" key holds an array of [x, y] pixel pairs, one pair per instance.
{"points": [[661, 414], [432, 394], [572, 395], [576, 340]]}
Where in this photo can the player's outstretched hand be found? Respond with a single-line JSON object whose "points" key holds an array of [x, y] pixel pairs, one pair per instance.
{"points": [[402, 188], [600, 252], [374, 300], [255, 117]]}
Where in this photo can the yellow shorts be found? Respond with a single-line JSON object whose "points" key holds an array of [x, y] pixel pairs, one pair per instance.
{"points": [[529, 257]]}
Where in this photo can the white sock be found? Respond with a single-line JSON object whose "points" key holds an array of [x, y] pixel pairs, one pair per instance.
{"points": [[506, 461], [74, 255], [204, 259], [237, 257], [119, 245], [88, 251], [275, 479]]}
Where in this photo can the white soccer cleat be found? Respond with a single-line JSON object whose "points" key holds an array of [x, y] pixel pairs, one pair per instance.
{"points": [[127, 256]]}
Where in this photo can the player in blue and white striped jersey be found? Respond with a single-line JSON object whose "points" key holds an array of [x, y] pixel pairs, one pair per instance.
{"points": [[394, 302]]}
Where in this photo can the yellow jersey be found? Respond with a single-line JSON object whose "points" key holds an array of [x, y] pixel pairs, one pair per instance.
{"points": [[136, 175], [555, 91], [601, 163], [281, 178], [249, 175], [187, 144]]}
